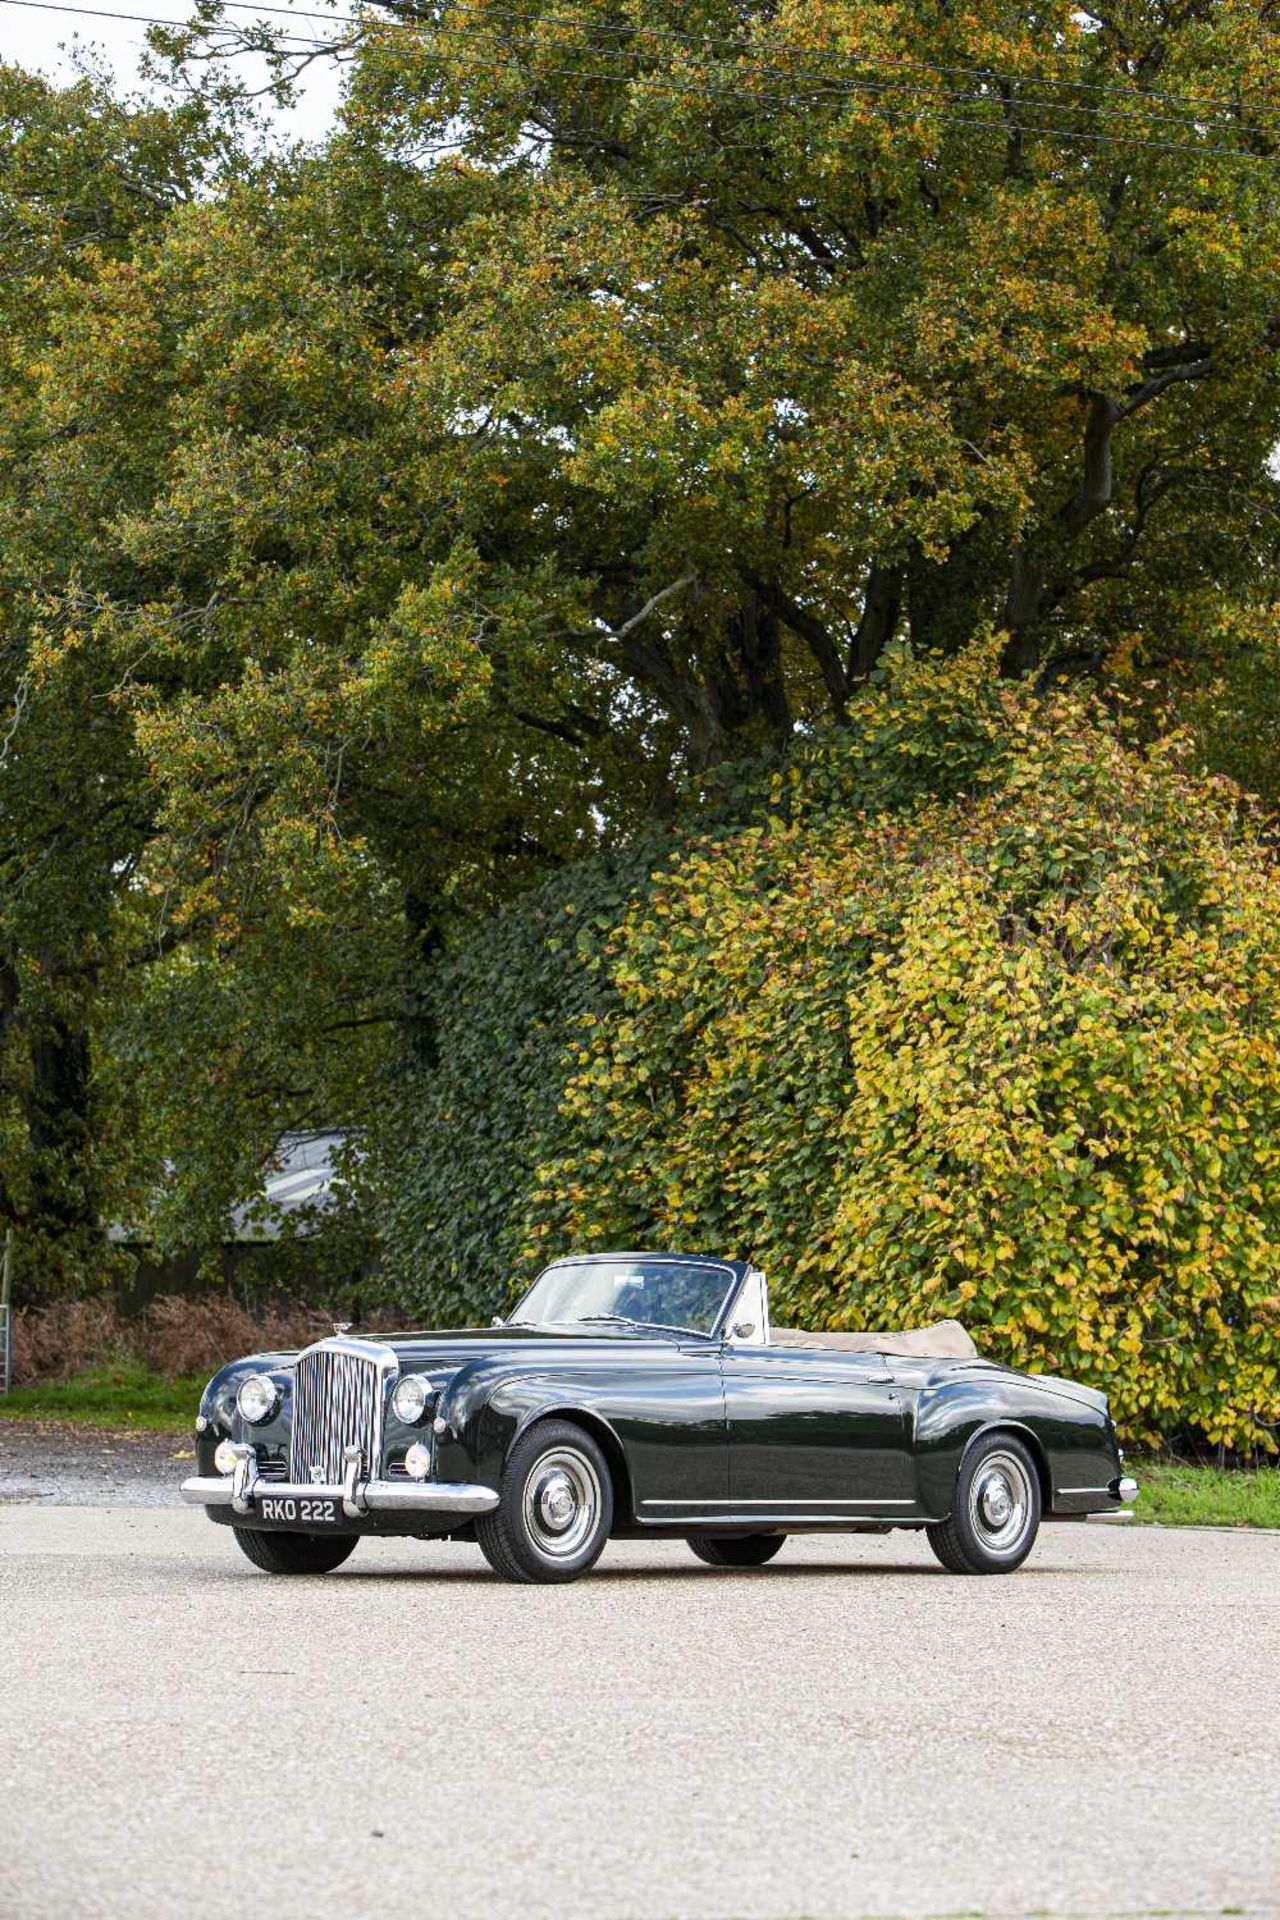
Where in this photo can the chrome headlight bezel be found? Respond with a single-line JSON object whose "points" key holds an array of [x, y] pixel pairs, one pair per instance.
{"points": [[410, 1398], [257, 1399]]}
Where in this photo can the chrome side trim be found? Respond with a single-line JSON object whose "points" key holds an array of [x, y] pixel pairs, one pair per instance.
{"points": [[748, 1506], [809, 1516], [373, 1496], [1125, 1489]]}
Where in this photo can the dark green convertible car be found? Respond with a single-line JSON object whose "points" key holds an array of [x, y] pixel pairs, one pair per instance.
{"points": [[632, 1394]]}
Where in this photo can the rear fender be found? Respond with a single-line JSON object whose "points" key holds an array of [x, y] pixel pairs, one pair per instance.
{"points": [[1069, 1440]]}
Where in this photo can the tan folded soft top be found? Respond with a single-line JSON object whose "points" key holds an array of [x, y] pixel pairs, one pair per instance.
{"points": [[944, 1340]]}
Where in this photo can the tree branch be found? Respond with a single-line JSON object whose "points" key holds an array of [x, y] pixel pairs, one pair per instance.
{"points": [[651, 605], [815, 636], [1142, 396]]}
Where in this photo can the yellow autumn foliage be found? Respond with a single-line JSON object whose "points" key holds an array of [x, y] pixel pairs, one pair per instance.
{"points": [[980, 1017]]}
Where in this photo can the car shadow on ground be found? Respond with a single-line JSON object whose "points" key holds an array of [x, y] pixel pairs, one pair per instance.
{"points": [[804, 1571]]}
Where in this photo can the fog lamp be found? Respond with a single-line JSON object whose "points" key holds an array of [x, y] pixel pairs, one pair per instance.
{"points": [[257, 1398], [417, 1462], [409, 1400], [225, 1456]]}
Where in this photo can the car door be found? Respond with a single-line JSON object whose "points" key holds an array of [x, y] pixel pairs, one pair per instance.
{"points": [[665, 1402], [815, 1431]]}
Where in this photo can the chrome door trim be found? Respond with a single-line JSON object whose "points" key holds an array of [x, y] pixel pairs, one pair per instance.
{"points": [[747, 1505]]}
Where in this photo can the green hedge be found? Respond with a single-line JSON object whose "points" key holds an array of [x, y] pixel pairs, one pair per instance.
{"points": [[975, 1015], [454, 1158]]}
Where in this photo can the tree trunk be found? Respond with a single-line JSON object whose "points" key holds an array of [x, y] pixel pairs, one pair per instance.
{"points": [[948, 601], [726, 689], [881, 609], [57, 1106]]}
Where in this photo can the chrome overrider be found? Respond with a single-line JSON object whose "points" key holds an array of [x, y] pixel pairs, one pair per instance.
{"points": [[243, 1488]]}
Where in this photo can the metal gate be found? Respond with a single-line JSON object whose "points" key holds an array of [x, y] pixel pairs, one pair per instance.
{"points": [[6, 1313]]}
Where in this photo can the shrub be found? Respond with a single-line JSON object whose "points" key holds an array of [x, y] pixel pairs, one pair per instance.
{"points": [[54, 1342], [177, 1334], [981, 1020], [180, 1334]]}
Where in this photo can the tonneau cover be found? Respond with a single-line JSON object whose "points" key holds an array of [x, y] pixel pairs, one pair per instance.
{"points": [[944, 1340]]}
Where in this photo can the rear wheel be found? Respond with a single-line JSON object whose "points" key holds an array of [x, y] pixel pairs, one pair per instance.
{"points": [[744, 1550], [996, 1513], [295, 1552], [556, 1507]]}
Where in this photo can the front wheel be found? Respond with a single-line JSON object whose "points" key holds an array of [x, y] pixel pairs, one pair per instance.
{"points": [[742, 1550], [556, 1507], [295, 1552], [996, 1513]]}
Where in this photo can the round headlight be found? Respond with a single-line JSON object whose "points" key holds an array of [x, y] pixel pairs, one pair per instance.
{"points": [[409, 1400], [417, 1462], [225, 1456], [257, 1398]]}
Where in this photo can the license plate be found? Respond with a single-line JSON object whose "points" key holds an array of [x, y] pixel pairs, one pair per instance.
{"points": [[305, 1514]]}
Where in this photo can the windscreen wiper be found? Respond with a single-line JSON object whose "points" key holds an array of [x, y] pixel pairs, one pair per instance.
{"points": [[656, 1326]]}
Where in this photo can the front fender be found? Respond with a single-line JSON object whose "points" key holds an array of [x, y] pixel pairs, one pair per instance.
{"points": [[481, 1411], [487, 1407], [218, 1407]]}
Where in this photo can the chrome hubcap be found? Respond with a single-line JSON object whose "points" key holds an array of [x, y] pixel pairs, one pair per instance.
{"points": [[561, 1503], [556, 1502], [997, 1501], [1000, 1502]]}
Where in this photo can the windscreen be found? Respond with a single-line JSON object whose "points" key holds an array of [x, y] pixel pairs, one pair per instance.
{"points": [[680, 1296]]}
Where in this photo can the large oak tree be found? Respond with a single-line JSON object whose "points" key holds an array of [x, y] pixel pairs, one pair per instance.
{"points": [[389, 522]]}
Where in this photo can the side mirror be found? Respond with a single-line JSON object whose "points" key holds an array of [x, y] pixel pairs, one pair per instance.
{"points": [[742, 1329], [497, 1321]]}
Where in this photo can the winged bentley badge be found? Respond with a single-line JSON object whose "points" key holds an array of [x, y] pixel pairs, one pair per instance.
{"points": [[342, 1326]]}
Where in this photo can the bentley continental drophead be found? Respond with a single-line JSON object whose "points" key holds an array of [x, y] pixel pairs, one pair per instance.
{"points": [[636, 1394]]}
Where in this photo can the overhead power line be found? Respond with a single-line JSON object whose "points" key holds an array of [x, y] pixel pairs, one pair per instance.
{"points": [[626, 35], [823, 89], [1136, 103], [739, 49]]}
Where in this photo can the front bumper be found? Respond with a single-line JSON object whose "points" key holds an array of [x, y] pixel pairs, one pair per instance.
{"points": [[243, 1489]]}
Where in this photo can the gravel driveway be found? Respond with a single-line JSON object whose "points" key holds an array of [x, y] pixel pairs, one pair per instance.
{"points": [[848, 1732], [56, 1461]]}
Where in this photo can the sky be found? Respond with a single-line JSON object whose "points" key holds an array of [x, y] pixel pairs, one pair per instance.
{"points": [[43, 41]]}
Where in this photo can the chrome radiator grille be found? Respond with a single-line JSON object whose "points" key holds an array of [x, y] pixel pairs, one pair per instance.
{"points": [[337, 1403]]}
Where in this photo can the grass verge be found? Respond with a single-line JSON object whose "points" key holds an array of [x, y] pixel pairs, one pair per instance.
{"points": [[1174, 1495], [122, 1397]]}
